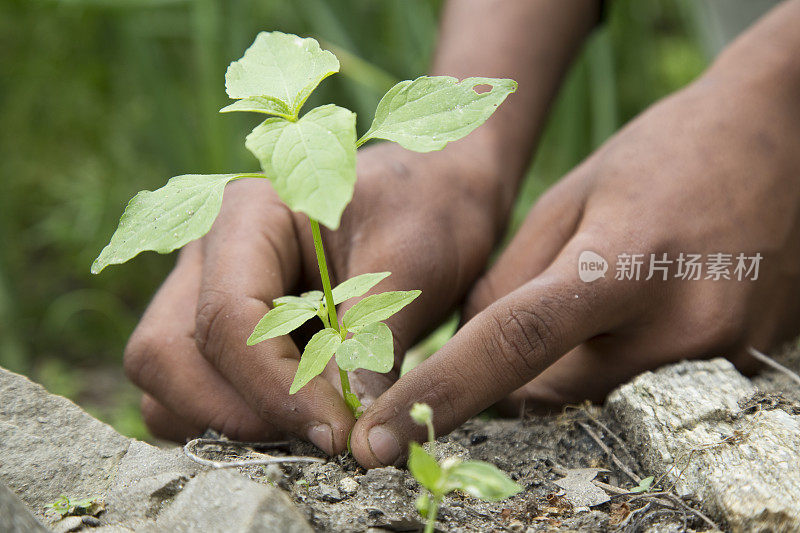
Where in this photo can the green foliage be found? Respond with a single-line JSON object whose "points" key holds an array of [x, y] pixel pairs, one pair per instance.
{"points": [[316, 355], [477, 478], [164, 220], [371, 348], [65, 506], [644, 485], [277, 74], [377, 307], [425, 114], [311, 162], [281, 320], [357, 286]]}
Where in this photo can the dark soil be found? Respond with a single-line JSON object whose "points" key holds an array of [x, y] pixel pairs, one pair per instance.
{"points": [[340, 496]]}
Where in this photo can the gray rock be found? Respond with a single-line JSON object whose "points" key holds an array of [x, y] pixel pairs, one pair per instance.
{"points": [[14, 516], [223, 501], [51, 447], [687, 420], [147, 480]]}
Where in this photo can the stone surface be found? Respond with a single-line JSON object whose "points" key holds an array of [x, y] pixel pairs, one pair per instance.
{"points": [[230, 502], [14, 516], [50, 447], [688, 420]]}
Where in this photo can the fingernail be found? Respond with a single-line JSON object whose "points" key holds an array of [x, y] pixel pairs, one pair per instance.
{"points": [[383, 444], [321, 436]]}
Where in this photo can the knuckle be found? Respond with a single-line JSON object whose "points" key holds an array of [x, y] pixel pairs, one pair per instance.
{"points": [[141, 355], [215, 311], [526, 335]]}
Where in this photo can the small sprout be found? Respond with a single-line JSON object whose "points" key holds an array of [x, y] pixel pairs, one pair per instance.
{"points": [[421, 413], [644, 485], [65, 506], [476, 478], [311, 162]]}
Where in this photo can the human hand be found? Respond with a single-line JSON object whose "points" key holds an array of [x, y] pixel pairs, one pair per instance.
{"points": [[424, 218], [712, 169]]}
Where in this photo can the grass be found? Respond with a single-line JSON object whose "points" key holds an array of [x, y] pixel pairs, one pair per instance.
{"points": [[102, 98]]}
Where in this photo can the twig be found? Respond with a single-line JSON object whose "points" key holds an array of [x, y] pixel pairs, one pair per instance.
{"points": [[640, 510], [767, 360], [608, 452], [188, 449]]}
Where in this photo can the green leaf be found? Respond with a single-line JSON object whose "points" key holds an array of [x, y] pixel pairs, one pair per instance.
{"points": [[311, 162], [260, 104], [377, 307], [425, 114], [357, 286], [482, 480], [310, 299], [165, 219], [318, 352], [371, 348], [282, 67], [424, 468], [644, 485], [281, 320]]}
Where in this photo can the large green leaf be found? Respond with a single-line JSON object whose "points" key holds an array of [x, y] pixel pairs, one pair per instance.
{"points": [[318, 352], [425, 114], [424, 468], [167, 218], [357, 286], [281, 320], [482, 480], [372, 348], [377, 307], [279, 66], [311, 162]]}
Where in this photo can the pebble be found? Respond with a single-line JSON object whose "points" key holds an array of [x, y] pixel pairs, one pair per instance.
{"points": [[348, 485]]}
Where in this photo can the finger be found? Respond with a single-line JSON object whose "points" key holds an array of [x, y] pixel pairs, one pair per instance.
{"points": [[550, 224], [251, 257], [502, 348], [165, 424], [162, 359]]}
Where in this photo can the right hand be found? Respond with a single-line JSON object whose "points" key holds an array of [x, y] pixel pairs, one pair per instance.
{"points": [[430, 219]]}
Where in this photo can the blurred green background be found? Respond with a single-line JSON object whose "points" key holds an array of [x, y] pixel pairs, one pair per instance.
{"points": [[102, 98]]}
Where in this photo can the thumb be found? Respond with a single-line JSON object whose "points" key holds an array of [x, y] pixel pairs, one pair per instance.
{"points": [[501, 349]]}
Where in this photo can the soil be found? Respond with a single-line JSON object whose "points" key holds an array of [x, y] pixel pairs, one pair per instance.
{"points": [[340, 496]]}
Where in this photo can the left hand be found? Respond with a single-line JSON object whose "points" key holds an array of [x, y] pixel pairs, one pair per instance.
{"points": [[714, 168]]}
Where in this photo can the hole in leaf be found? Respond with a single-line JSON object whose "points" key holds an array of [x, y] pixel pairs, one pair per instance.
{"points": [[482, 88]]}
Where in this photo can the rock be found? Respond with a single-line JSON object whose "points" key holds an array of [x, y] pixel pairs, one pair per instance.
{"points": [[51, 447], [223, 501], [147, 480], [328, 493], [743, 466], [14, 516], [348, 485]]}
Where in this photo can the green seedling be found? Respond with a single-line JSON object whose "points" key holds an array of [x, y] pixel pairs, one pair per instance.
{"points": [[477, 478], [311, 162], [643, 486], [65, 506]]}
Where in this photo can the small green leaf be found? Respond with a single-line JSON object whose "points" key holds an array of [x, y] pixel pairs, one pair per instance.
{"points": [[424, 468], [260, 104], [421, 413], [318, 352], [425, 114], [482, 480], [281, 67], [311, 299], [165, 219], [371, 348], [312, 162], [281, 320], [644, 485], [422, 503], [357, 286], [377, 307]]}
